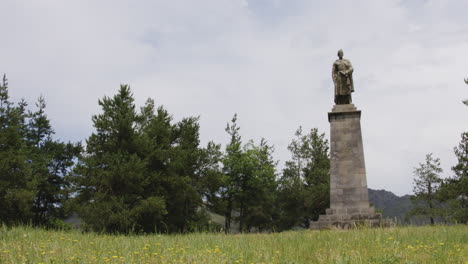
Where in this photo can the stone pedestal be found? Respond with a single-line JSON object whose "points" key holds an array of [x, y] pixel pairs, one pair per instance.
{"points": [[349, 202]]}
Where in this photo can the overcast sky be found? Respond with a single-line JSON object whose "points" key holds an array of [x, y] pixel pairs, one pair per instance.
{"points": [[269, 61]]}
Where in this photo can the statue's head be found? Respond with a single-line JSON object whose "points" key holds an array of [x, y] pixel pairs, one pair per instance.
{"points": [[340, 53]]}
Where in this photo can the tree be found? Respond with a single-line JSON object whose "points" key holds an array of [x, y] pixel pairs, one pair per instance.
{"points": [[258, 195], [211, 178], [33, 187], [426, 184], [232, 169], [249, 185], [179, 166], [111, 180], [304, 185], [50, 162], [16, 192], [454, 190], [183, 199], [141, 172]]}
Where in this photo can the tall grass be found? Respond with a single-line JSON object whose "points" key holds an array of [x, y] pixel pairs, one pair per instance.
{"points": [[429, 244]]}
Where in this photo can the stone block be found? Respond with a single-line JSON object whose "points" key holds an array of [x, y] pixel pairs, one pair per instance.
{"points": [[368, 210], [351, 191], [324, 218], [354, 210], [337, 191], [345, 217]]}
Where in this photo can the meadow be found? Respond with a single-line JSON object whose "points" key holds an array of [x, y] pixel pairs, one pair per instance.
{"points": [[427, 244]]}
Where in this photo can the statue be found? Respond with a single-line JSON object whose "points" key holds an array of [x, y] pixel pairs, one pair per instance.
{"points": [[342, 75]]}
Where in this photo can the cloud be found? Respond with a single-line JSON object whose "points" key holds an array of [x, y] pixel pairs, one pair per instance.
{"points": [[268, 61]]}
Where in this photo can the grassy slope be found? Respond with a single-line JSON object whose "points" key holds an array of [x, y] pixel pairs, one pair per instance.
{"points": [[439, 244]]}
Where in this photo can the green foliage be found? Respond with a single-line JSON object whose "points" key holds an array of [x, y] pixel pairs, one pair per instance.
{"points": [[141, 172], [211, 178], [32, 165], [111, 181], [16, 192], [249, 186], [454, 190], [50, 162], [232, 169], [258, 194], [427, 182], [304, 185]]}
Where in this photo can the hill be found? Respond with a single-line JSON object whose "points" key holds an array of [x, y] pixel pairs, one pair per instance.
{"points": [[391, 205]]}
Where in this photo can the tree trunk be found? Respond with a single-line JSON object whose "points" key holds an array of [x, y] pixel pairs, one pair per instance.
{"points": [[227, 218], [431, 211], [241, 217]]}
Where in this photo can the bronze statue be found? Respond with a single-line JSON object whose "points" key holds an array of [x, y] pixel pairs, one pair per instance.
{"points": [[342, 75]]}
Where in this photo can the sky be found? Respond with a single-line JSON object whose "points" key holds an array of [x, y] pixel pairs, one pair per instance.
{"points": [[269, 61]]}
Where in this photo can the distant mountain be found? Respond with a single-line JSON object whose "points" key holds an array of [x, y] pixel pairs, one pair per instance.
{"points": [[391, 205]]}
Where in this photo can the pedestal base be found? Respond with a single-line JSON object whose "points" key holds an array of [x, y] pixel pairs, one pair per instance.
{"points": [[348, 218], [349, 202]]}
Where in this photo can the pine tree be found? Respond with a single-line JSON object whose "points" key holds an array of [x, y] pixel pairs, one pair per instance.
{"points": [[183, 199], [232, 168], [50, 163], [112, 178], [33, 167], [317, 175], [304, 185], [454, 190], [427, 182], [141, 172], [249, 186], [177, 165], [460, 180], [16, 192], [211, 178], [259, 192]]}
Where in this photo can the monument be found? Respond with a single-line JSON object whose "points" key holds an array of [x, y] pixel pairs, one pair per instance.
{"points": [[349, 202]]}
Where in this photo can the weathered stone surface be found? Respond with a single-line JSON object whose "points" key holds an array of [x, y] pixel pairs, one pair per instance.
{"points": [[348, 173], [352, 222], [349, 201]]}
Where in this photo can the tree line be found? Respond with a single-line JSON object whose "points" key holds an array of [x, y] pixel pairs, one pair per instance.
{"points": [[438, 198], [141, 171], [443, 199]]}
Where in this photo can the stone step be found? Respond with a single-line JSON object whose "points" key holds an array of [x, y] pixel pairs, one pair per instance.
{"points": [[353, 210], [351, 223], [347, 217]]}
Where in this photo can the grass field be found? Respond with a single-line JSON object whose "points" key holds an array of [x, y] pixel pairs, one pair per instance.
{"points": [[438, 244]]}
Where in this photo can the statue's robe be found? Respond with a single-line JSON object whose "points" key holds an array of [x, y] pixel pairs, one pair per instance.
{"points": [[343, 83]]}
